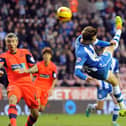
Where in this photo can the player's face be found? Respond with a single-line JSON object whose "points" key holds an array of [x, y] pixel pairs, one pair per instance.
{"points": [[11, 44], [47, 57]]}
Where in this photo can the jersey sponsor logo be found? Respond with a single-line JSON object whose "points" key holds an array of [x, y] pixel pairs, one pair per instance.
{"points": [[44, 75], [100, 96], [79, 59], [17, 66], [21, 55]]}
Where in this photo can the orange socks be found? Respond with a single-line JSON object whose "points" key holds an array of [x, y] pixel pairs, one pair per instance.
{"points": [[12, 112]]}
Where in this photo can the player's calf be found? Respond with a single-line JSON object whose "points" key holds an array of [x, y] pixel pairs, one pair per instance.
{"points": [[32, 118], [12, 113]]}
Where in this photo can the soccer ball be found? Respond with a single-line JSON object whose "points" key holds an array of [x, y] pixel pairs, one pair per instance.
{"points": [[64, 14], [122, 113]]}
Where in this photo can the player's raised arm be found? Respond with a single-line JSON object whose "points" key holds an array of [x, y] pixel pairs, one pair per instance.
{"points": [[32, 69], [80, 61], [101, 43]]}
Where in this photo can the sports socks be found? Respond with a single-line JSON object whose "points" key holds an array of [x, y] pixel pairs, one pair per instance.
{"points": [[118, 26], [116, 38], [12, 112], [115, 113], [30, 121], [118, 95]]}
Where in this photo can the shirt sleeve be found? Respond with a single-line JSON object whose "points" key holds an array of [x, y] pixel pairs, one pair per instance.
{"points": [[4, 79], [54, 72], [30, 60], [101, 43], [3, 61], [80, 61]]}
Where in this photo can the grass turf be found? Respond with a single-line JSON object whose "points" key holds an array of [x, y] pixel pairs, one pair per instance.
{"points": [[66, 120]]}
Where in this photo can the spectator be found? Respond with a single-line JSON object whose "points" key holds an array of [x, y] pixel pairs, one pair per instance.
{"points": [[35, 23]]}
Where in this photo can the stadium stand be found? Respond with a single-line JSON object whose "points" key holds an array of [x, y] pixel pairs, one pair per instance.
{"points": [[35, 23]]}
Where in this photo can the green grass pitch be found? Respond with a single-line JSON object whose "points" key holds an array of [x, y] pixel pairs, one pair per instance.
{"points": [[66, 120]]}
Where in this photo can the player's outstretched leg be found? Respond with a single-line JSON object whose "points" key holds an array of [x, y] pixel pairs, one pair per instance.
{"points": [[32, 118], [118, 24], [116, 38], [112, 79], [12, 110]]}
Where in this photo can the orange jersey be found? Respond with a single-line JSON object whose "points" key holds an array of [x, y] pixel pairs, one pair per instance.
{"points": [[13, 62], [46, 75]]}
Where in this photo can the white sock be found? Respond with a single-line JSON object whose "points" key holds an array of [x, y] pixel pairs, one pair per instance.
{"points": [[118, 96], [116, 38]]}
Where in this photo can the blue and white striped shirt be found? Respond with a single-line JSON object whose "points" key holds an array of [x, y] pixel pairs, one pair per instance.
{"points": [[86, 56]]}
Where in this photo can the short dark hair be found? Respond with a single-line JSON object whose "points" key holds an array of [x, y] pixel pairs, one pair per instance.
{"points": [[47, 50], [11, 35], [88, 32]]}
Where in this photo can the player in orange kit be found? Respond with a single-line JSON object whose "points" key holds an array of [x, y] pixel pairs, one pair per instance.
{"points": [[20, 85], [46, 78]]}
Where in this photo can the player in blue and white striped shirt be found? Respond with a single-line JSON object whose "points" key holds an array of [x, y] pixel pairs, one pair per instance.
{"points": [[103, 90], [98, 66]]}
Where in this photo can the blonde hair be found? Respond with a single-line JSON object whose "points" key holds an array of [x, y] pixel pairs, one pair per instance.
{"points": [[11, 35]]}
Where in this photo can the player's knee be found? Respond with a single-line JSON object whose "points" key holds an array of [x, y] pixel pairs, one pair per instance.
{"points": [[35, 113], [42, 108], [13, 99], [100, 107]]}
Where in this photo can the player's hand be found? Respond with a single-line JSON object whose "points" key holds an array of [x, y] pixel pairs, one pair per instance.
{"points": [[92, 81], [50, 92], [96, 82], [23, 71], [89, 78], [1, 73], [113, 43]]}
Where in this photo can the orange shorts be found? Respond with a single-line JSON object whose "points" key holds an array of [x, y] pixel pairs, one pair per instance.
{"points": [[42, 95], [28, 92]]}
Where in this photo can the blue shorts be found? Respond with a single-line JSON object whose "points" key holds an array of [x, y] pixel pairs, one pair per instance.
{"points": [[102, 93], [103, 67]]}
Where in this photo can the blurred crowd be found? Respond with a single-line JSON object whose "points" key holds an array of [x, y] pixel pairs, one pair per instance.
{"points": [[36, 25]]}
